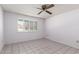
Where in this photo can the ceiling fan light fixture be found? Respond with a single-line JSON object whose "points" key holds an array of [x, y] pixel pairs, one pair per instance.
{"points": [[45, 7]]}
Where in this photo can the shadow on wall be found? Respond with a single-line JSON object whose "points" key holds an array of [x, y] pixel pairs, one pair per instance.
{"points": [[64, 28]]}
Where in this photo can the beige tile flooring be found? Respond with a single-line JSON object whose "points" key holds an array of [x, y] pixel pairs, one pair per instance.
{"points": [[40, 46]]}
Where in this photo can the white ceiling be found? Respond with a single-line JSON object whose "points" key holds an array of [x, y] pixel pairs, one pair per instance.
{"points": [[31, 9]]}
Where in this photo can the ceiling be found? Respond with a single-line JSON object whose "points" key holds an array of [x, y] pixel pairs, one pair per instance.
{"points": [[31, 9]]}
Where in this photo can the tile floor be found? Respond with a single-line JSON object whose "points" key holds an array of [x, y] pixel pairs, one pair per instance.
{"points": [[40, 46]]}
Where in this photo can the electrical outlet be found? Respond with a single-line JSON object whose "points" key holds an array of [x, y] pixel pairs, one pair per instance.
{"points": [[77, 41]]}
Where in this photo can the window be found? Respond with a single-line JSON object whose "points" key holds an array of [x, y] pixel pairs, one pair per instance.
{"points": [[27, 26]]}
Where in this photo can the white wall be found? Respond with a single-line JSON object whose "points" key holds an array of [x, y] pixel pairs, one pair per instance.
{"points": [[11, 34], [1, 28], [64, 28]]}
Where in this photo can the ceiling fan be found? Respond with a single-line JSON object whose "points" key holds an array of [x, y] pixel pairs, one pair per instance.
{"points": [[45, 8]]}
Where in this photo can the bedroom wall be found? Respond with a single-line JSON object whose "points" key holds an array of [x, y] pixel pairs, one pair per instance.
{"points": [[64, 28], [1, 28], [11, 33]]}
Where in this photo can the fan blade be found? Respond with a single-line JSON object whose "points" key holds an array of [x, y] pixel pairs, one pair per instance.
{"points": [[52, 5], [39, 8], [40, 12], [48, 12]]}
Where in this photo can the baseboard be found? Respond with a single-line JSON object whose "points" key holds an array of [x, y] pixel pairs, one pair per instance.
{"points": [[23, 41]]}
